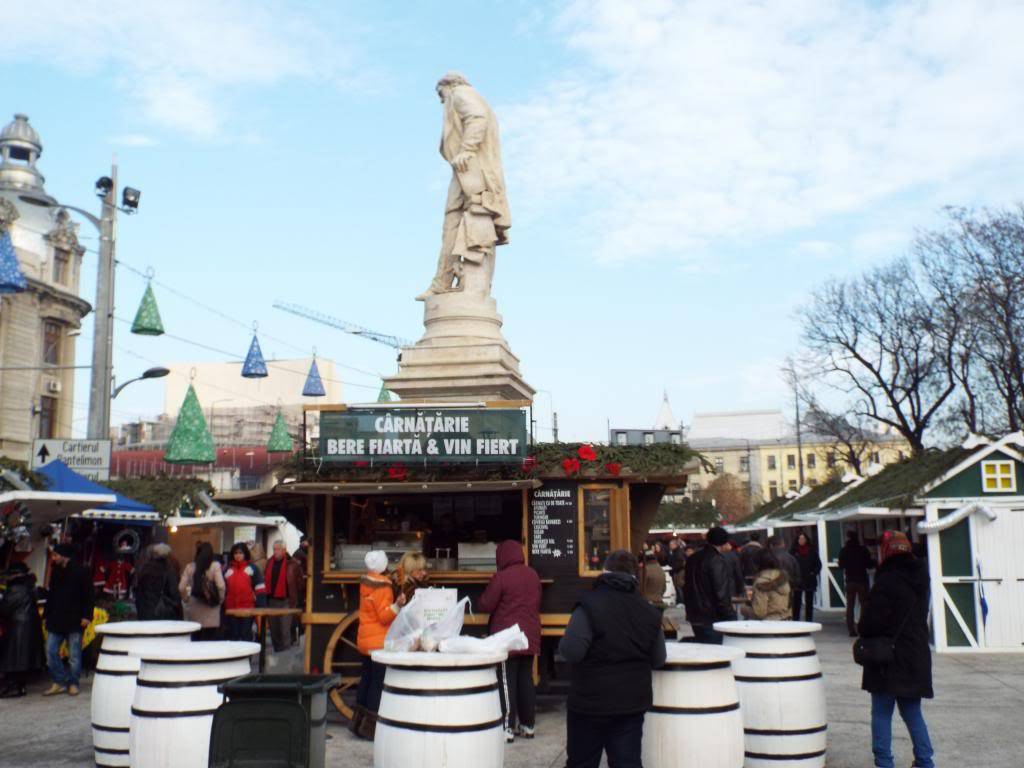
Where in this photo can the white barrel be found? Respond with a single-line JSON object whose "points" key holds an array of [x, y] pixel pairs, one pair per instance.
{"points": [[695, 720], [439, 710], [782, 694], [113, 688], [175, 698]]}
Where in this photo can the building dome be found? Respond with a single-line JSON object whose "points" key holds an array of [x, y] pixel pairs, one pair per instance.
{"points": [[18, 131], [20, 147]]}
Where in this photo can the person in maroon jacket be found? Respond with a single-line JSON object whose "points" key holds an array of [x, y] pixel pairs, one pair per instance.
{"points": [[513, 597]]}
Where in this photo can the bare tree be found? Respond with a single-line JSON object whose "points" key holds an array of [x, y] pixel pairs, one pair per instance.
{"points": [[876, 338], [850, 431], [976, 269]]}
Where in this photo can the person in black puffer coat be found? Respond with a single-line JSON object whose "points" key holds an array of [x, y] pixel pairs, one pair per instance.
{"points": [[21, 647], [898, 608], [156, 589], [613, 640]]}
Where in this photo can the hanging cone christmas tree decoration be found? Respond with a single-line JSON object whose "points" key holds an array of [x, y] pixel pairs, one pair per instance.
{"points": [[280, 441], [314, 386], [190, 441], [385, 395], [255, 367], [147, 319], [11, 278]]}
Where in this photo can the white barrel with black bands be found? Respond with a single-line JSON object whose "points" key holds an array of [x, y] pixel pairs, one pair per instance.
{"points": [[113, 688], [695, 719], [175, 698], [439, 711], [782, 692]]}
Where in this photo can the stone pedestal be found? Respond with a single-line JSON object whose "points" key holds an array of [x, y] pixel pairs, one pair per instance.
{"points": [[462, 356]]}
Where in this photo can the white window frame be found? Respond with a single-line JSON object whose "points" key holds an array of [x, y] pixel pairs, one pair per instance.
{"points": [[621, 438], [997, 465]]}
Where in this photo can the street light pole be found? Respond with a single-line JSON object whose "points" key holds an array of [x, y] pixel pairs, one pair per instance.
{"points": [[103, 337]]}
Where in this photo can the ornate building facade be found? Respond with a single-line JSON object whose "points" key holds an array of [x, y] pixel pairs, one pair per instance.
{"points": [[38, 326]]}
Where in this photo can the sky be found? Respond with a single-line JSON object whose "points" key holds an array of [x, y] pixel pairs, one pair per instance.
{"points": [[681, 174]]}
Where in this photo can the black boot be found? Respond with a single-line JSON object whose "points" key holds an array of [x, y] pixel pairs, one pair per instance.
{"points": [[357, 717], [367, 726]]}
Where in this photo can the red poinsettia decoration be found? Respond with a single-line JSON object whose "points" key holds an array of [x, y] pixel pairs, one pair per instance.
{"points": [[397, 472], [361, 464], [529, 463], [587, 453], [613, 468], [571, 466]]}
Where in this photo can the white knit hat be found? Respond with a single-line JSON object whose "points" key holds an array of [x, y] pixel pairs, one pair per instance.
{"points": [[376, 561]]}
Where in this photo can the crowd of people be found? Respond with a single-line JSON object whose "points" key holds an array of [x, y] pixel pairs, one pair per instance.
{"points": [[204, 591], [613, 640]]}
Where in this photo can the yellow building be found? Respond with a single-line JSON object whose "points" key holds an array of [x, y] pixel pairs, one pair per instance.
{"points": [[760, 450]]}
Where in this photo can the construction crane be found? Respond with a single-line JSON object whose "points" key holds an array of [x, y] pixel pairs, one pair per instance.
{"points": [[343, 325]]}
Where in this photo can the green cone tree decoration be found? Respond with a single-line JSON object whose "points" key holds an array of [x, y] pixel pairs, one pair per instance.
{"points": [[190, 442], [280, 441], [385, 394], [147, 319]]}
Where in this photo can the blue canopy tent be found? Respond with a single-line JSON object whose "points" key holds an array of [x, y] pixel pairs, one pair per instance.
{"points": [[60, 477]]}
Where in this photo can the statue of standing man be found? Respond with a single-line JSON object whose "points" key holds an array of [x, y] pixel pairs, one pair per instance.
{"points": [[476, 215]]}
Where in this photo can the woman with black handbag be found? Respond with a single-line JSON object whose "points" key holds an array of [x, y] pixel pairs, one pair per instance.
{"points": [[893, 648]]}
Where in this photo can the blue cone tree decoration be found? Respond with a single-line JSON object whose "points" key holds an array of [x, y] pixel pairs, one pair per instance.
{"points": [[280, 441], [255, 367], [11, 278], [314, 386]]}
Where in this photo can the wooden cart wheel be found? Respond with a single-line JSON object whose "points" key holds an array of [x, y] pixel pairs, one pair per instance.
{"points": [[342, 657]]}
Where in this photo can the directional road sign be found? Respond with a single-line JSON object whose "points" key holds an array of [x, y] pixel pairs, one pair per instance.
{"points": [[90, 458]]}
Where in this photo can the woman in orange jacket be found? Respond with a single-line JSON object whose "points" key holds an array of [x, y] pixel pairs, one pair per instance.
{"points": [[377, 609]]}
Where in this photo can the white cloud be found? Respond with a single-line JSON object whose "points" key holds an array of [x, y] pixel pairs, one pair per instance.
{"points": [[180, 63], [685, 123]]}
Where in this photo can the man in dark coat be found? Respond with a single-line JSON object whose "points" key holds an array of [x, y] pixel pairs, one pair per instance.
{"points": [[805, 552], [613, 641], [21, 646], [68, 612], [156, 587], [856, 561], [748, 556], [898, 609], [708, 590], [284, 588], [513, 597], [786, 561]]}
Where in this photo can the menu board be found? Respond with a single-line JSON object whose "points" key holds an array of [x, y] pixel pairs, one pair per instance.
{"points": [[553, 516]]}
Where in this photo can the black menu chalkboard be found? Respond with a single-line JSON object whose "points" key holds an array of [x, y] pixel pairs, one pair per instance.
{"points": [[553, 515]]}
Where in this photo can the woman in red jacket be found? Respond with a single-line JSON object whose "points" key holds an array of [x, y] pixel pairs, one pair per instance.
{"points": [[513, 597], [243, 589]]}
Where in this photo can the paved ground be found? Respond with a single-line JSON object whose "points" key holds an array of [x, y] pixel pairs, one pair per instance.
{"points": [[976, 720]]}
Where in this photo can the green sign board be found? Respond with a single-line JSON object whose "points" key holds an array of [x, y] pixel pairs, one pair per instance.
{"points": [[418, 436]]}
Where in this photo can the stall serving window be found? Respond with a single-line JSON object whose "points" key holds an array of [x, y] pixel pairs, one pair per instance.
{"points": [[457, 532], [603, 526]]}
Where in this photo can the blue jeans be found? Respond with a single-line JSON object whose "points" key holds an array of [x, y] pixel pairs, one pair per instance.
{"points": [[55, 664], [882, 705]]}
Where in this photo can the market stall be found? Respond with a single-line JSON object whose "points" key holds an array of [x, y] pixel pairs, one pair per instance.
{"points": [[570, 505]]}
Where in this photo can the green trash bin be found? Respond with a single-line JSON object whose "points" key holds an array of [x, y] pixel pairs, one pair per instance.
{"points": [[308, 690]]}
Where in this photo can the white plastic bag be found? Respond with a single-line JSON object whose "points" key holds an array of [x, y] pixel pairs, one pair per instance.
{"points": [[511, 639], [448, 627], [406, 630]]}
